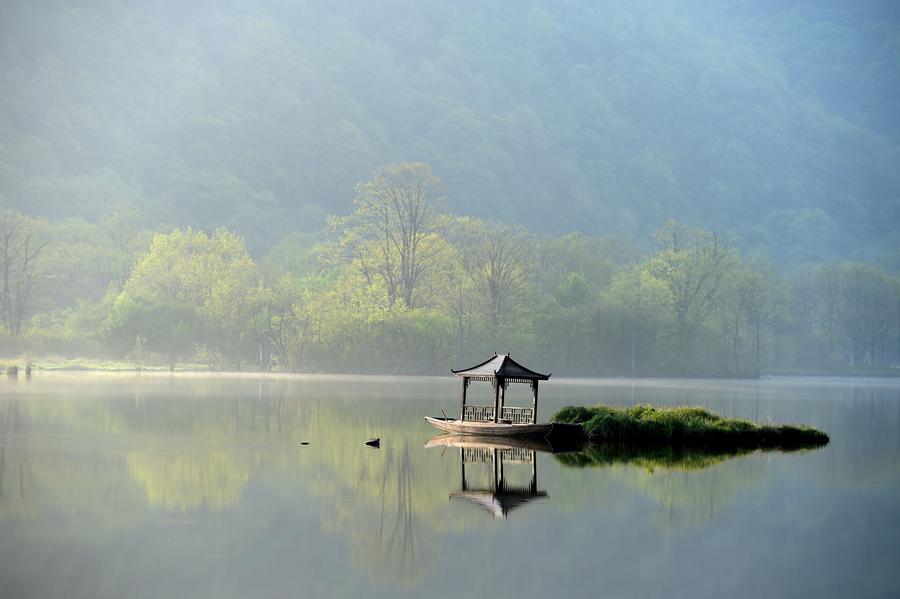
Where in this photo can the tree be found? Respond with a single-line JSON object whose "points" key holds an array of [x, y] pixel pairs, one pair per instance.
{"points": [[593, 257], [691, 263], [23, 249], [731, 324], [762, 298], [284, 326], [574, 291], [236, 298], [391, 233], [858, 310], [641, 299], [213, 274], [498, 258], [125, 239]]}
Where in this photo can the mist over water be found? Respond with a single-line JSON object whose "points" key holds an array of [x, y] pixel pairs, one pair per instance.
{"points": [[186, 486]]}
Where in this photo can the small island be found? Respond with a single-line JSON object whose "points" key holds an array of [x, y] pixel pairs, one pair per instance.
{"points": [[684, 427]]}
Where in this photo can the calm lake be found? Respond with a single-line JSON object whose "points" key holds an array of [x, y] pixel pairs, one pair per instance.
{"points": [[146, 485]]}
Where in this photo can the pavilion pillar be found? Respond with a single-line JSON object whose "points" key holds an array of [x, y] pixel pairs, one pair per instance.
{"points": [[497, 385], [495, 464], [534, 396], [502, 397], [462, 468], [462, 407]]}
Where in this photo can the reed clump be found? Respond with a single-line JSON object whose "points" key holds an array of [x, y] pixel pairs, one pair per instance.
{"points": [[686, 427]]}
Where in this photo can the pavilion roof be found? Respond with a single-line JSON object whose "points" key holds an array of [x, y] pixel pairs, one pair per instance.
{"points": [[499, 504], [501, 366]]}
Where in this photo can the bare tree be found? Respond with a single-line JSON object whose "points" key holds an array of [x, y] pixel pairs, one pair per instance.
{"points": [[691, 263], [388, 235], [498, 259], [22, 249], [122, 227]]}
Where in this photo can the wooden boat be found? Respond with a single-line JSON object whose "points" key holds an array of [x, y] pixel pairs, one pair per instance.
{"points": [[499, 420], [549, 430], [508, 444], [482, 442]]}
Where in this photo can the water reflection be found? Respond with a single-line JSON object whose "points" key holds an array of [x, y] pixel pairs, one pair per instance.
{"points": [[501, 494], [649, 458], [390, 547], [188, 480], [107, 465]]}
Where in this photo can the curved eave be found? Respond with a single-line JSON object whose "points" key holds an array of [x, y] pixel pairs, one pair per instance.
{"points": [[508, 368], [468, 374], [470, 368], [535, 376]]}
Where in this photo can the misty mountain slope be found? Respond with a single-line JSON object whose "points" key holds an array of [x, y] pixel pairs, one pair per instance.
{"points": [[604, 117]]}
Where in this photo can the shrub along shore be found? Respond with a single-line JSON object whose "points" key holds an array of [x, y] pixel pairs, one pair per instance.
{"points": [[684, 427]]}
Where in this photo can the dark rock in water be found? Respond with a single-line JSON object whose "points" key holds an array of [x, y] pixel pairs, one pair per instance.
{"points": [[374, 442]]}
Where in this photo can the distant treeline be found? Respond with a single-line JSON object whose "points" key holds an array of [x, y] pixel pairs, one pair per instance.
{"points": [[399, 285]]}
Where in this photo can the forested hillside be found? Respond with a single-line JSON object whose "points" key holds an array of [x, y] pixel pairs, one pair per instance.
{"points": [[774, 124], [690, 188]]}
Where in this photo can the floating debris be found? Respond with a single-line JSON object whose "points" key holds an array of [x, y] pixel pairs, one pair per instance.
{"points": [[374, 442]]}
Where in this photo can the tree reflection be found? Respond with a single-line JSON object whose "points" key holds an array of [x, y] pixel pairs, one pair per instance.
{"points": [[395, 539], [388, 533], [105, 459], [191, 480], [692, 484]]}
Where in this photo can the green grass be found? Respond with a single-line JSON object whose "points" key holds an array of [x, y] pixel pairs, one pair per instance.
{"points": [[684, 427]]}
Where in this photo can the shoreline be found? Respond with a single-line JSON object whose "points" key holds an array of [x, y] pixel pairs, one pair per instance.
{"points": [[59, 364], [121, 367]]}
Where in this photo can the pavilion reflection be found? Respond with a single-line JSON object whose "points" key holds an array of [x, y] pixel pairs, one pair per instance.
{"points": [[500, 495]]}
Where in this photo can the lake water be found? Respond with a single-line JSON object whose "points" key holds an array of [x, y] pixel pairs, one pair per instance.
{"points": [[198, 486]]}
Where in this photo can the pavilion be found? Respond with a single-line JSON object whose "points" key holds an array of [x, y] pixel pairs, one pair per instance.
{"points": [[500, 497], [500, 371]]}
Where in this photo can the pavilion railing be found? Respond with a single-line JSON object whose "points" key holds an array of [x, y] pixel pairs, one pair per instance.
{"points": [[479, 413], [512, 455], [516, 415]]}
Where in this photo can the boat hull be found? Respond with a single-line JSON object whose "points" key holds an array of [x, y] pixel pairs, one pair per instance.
{"points": [[496, 429]]}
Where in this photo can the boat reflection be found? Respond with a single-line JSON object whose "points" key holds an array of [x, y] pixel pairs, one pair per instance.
{"points": [[500, 495]]}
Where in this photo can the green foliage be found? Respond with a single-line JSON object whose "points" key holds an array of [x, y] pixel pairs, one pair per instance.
{"points": [[186, 279], [169, 329], [295, 253], [856, 309], [773, 123], [694, 307], [574, 291], [685, 426]]}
